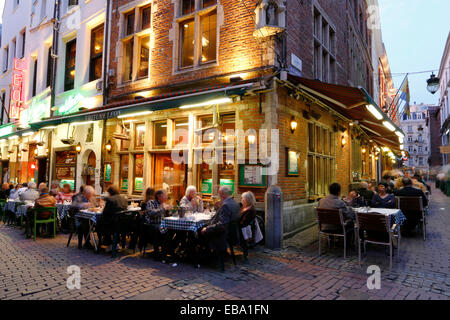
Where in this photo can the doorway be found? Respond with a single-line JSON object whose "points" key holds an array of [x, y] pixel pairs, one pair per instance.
{"points": [[169, 176], [89, 169], [42, 170]]}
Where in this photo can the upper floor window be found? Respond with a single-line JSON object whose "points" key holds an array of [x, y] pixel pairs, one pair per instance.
{"points": [[95, 67], [6, 59], [49, 67], [324, 49], [409, 128], [69, 78], [129, 23], [197, 48], [22, 46]]}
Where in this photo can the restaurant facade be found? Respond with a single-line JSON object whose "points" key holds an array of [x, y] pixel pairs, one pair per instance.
{"points": [[206, 93]]}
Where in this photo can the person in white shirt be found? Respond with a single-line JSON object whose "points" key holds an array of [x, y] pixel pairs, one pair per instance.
{"points": [[31, 194], [191, 201], [14, 194]]}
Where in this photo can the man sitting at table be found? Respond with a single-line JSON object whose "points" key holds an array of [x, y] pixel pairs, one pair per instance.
{"points": [[365, 192], [332, 201], [217, 231], [412, 218], [81, 202], [191, 201], [45, 200], [107, 224], [154, 211], [31, 194]]}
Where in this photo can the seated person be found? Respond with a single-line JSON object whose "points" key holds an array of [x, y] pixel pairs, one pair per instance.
{"points": [[412, 218], [191, 201], [4, 192], [45, 200], [154, 211], [14, 193], [418, 185], [107, 224], [84, 200], [31, 194], [383, 199], [55, 189], [23, 187], [332, 201], [365, 193], [64, 195], [353, 199]]}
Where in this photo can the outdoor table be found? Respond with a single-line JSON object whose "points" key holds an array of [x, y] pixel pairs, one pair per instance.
{"points": [[397, 214], [92, 218], [62, 209], [190, 223]]}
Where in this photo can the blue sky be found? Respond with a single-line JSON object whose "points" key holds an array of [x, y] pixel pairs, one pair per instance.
{"points": [[414, 33]]}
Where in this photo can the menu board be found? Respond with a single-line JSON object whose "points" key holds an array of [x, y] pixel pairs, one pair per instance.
{"points": [[124, 184], [138, 184], [252, 175], [108, 172], [65, 173], [66, 158], [227, 182], [206, 186]]}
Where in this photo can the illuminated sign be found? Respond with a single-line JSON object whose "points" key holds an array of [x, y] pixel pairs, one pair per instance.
{"points": [[36, 111], [6, 129], [70, 105], [17, 87]]}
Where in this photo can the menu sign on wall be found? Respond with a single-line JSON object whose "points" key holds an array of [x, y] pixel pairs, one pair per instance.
{"points": [[17, 87]]}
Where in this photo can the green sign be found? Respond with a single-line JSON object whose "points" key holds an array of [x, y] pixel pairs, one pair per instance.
{"points": [[227, 182], [6, 129], [124, 184], [138, 184], [38, 109], [71, 182], [108, 172], [252, 175], [207, 186]]}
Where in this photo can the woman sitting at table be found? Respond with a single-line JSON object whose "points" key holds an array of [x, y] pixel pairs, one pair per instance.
{"points": [[106, 225], [191, 201], [382, 199], [45, 200], [65, 195], [149, 195], [248, 215]]}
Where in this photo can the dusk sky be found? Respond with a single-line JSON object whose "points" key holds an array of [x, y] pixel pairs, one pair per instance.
{"points": [[414, 33]]}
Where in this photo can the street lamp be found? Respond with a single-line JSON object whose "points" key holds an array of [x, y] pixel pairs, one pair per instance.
{"points": [[433, 84]]}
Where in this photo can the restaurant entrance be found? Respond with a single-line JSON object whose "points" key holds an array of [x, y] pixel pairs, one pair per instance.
{"points": [[169, 176], [42, 170]]}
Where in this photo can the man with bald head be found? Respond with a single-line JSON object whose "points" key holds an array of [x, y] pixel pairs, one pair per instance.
{"points": [[217, 231]]}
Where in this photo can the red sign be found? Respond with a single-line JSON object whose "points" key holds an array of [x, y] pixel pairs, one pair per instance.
{"points": [[17, 86]]}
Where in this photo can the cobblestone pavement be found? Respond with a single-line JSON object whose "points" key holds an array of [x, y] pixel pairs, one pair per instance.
{"points": [[38, 270]]}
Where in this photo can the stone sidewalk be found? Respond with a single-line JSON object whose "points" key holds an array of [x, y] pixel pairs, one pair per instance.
{"points": [[38, 270]]}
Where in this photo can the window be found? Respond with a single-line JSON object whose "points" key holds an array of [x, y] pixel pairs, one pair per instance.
{"points": [[420, 161], [160, 134], [129, 23], [143, 66], [124, 172], [125, 144], [6, 59], [420, 149], [128, 60], [22, 49], [95, 68], [136, 44], [138, 185], [13, 49], [139, 136], [409, 128], [181, 132], [4, 113], [71, 49], [324, 49], [146, 17], [197, 48], [409, 138], [321, 159], [34, 84], [72, 3], [49, 67]]}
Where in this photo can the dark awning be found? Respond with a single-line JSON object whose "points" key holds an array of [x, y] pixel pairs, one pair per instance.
{"points": [[154, 103], [351, 102]]}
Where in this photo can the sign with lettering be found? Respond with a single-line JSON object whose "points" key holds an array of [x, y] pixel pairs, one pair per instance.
{"points": [[17, 88], [102, 115]]}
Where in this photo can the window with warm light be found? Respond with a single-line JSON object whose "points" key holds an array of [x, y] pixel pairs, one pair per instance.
{"points": [[197, 48], [181, 132], [69, 78], [95, 67], [139, 136], [128, 60], [144, 55], [160, 134]]}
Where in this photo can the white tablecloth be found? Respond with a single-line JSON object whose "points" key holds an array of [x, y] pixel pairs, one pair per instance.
{"points": [[397, 214]]}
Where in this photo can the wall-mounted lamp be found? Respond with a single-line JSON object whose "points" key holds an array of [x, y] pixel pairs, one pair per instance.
{"points": [[251, 139], [293, 124], [108, 146], [36, 151], [363, 150], [78, 147], [343, 141], [376, 158]]}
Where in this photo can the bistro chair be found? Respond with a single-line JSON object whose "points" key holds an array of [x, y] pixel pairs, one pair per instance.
{"points": [[52, 219], [125, 224], [376, 228], [413, 206], [337, 227]]}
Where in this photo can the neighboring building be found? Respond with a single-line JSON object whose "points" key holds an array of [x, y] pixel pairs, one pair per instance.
{"points": [[417, 137], [444, 102], [434, 125]]}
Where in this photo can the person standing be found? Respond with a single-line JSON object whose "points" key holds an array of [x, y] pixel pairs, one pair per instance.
{"points": [[248, 215]]}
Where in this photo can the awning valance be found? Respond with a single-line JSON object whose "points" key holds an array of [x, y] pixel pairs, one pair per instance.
{"points": [[351, 102], [154, 103]]}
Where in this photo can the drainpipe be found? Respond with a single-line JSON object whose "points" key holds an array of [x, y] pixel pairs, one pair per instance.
{"points": [[105, 88]]}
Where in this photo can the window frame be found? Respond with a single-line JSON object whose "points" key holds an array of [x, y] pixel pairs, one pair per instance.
{"points": [[93, 58], [70, 86]]}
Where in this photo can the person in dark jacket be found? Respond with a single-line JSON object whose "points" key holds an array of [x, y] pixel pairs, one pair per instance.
{"points": [[114, 204], [365, 193], [4, 192], [383, 199], [218, 230], [412, 218], [248, 215]]}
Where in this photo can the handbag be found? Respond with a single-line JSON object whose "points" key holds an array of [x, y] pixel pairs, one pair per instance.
{"points": [[258, 233], [247, 232]]}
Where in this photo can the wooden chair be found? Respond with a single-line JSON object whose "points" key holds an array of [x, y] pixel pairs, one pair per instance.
{"points": [[413, 206], [376, 228], [339, 227], [52, 219]]}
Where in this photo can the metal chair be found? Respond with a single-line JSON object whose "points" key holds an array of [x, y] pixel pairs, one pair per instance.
{"points": [[37, 221], [339, 227], [413, 206], [376, 229]]}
